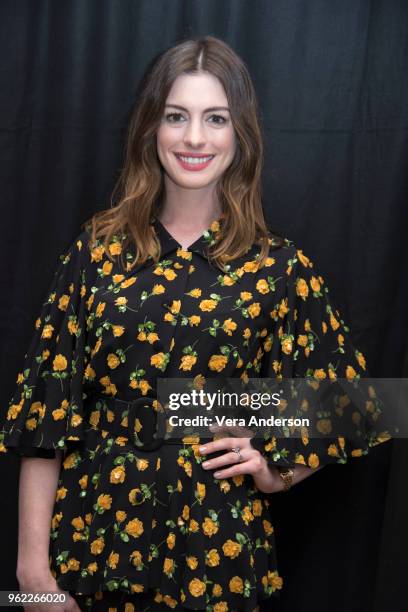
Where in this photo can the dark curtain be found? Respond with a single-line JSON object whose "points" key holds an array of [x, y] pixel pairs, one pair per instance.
{"points": [[331, 77]]}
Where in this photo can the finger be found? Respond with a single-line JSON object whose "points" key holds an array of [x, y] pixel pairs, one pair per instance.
{"points": [[227, 459], [222, 444], [234, 470]]}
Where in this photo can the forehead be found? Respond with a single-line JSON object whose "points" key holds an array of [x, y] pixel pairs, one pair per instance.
{"points": [[197, 91]]}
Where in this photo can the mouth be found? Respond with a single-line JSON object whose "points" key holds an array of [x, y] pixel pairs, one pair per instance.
{"points": [[194, 163]]}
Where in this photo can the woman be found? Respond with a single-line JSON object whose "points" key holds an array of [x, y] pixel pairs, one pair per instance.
{"points": [[180, 279]]}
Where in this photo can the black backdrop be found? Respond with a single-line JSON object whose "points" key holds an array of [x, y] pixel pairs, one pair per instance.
{"points": [[332, 85]]}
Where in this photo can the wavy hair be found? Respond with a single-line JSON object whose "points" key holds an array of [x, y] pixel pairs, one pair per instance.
{"points": [[138, 193]]}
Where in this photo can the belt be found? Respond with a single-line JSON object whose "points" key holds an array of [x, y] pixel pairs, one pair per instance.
{"points": [[142, 421]]}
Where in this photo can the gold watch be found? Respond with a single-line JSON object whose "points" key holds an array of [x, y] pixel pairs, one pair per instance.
{"points": [[287, 476]]}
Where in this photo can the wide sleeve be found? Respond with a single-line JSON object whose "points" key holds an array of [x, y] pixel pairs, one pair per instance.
{"points": [[46, 411], [309, 348]]}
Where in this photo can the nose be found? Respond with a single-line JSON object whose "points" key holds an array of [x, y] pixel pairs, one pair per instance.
{"points": [[194, 134]]}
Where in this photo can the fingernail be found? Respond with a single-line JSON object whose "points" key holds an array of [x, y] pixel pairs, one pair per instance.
{"points": [[202, 449], [216, 474]]}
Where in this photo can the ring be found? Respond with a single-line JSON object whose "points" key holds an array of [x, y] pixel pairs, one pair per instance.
{"points": [[238, 451]]}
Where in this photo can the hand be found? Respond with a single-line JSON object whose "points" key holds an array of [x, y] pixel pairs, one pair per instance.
{"points": [[46, 583], [267, 480]]}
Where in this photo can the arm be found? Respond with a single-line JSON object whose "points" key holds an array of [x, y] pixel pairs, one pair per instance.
{"points": [[267, 479], [37, 489]]}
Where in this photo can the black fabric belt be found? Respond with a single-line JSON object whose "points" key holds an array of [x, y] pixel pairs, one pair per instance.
{"points": [[142, 421]]}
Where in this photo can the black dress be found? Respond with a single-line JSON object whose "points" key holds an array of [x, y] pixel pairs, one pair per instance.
{"points": [[137, 529]]}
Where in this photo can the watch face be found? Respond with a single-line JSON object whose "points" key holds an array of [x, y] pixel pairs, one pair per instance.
{"points": [[287, 476]]}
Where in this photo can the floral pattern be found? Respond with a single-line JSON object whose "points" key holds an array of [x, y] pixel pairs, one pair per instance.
{"points": [[155, 527]]}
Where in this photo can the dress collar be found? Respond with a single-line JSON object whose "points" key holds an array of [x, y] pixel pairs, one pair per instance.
{"points": [[168, 243]]}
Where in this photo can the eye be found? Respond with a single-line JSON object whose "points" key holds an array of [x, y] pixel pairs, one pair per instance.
{"points": [[173, 115], [173, 118], [223, 120]]}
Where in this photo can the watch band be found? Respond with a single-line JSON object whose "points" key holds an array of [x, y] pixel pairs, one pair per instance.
{"points": [[287, 476]]}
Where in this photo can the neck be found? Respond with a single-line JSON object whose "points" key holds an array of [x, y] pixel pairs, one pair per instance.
{"points": [[189, 209]]}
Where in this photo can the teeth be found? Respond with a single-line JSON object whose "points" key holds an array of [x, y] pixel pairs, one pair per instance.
{"points": [[195, 160]]}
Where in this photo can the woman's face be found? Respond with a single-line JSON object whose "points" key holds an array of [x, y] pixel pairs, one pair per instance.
{"points": [[196, 123]]}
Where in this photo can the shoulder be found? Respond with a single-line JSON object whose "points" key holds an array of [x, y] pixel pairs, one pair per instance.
{"points": [[291, 258], [281, 248], [78, 252], [77, 246], [100, 252], [288, 248]]}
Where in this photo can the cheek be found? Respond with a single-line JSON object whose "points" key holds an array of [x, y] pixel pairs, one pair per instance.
{"points": [[228, 142], [165, 137]]}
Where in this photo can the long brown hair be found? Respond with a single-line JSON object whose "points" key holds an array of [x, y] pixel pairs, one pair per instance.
{"points": [[138, 194]]}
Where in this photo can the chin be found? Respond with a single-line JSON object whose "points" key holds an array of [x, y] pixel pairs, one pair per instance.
{"points": [[186, 184]]}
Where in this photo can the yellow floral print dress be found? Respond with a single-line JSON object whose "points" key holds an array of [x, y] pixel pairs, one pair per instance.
{"points": [[151, 529]]}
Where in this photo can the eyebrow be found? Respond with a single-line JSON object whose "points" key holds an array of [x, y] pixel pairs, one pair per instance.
{"points": [[207, 110]]}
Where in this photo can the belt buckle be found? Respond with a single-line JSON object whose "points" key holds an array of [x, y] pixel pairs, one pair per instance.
{"points": [[157, 439]]}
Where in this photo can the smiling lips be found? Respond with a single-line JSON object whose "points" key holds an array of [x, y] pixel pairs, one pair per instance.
{"points": [[194, 162]]}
